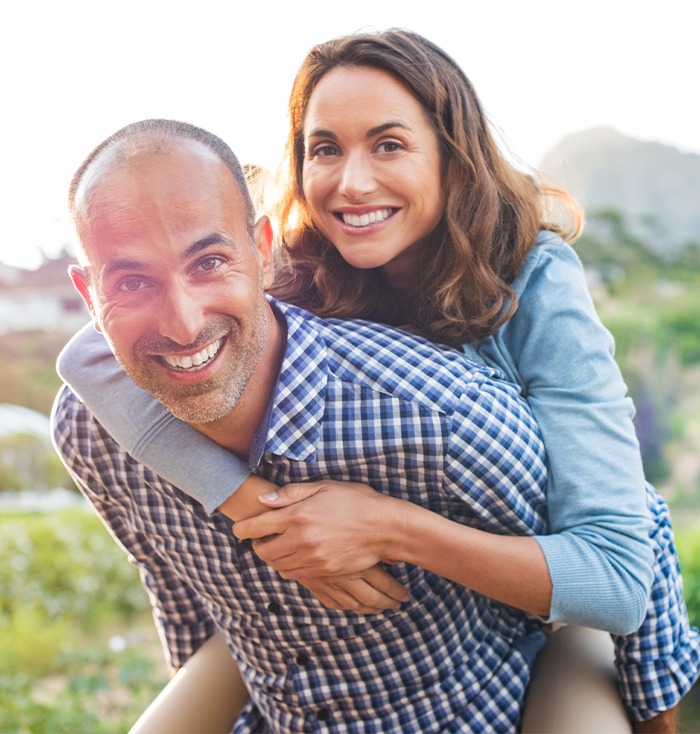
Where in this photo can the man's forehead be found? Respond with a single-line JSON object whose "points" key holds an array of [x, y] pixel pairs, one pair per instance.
{"points": [[187, 188], [135, 158]]}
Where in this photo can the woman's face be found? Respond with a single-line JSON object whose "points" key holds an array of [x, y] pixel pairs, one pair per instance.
{"points": [[371, 174]]}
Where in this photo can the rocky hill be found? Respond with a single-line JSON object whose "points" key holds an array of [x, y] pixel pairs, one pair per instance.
{"points": [[655, 186]]}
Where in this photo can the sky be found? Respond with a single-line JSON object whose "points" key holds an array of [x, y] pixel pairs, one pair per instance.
{"points": [[74, 71]]}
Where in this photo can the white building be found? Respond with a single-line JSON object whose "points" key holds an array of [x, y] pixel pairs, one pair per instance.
{"points": [[40, 300]]}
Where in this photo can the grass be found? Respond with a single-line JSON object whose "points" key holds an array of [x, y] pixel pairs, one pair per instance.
{"points": [[78, 649]]}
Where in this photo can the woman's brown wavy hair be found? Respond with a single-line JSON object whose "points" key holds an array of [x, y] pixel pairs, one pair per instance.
{"points": [[492, 211]]}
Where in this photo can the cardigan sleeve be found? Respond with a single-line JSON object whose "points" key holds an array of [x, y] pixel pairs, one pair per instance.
{"points": [[598, 548]]}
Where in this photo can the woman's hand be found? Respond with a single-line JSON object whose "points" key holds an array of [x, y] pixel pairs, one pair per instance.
{"points": [[322, 529], [367, 589], [370, 592]]}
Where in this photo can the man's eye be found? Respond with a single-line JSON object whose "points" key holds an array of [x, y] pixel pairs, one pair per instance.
{"points": [[132, 284], [212, 262]]}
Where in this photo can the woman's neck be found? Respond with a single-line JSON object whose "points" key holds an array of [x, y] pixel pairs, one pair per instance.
{"points": [[402, 278]]}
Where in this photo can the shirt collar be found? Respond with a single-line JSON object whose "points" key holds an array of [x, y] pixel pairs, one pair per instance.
{"points": [[292, 423]]}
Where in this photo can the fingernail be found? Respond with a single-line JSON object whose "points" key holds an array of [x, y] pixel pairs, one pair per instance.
{"points": [[269, 497]]}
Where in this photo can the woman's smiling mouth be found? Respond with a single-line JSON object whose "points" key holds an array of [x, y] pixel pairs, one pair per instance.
{"points": [[366, 218]]}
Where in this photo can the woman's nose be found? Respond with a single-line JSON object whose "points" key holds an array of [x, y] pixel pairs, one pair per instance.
{"points": [[357, 178]]}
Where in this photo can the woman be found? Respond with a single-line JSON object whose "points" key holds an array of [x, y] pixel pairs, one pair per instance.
{"points": [[400, 208]]}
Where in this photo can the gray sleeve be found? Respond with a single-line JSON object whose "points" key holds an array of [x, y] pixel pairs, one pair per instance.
{"points": [[143, 427]]}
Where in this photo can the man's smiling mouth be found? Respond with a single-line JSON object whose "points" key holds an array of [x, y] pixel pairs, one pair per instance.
{"points": [[194, 361]]}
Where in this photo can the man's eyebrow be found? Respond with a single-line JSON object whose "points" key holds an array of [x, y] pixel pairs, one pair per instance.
{"points": [[114, 266], [215, 238]]}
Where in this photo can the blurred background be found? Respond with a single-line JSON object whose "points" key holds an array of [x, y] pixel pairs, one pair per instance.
{"points": [[600, 97]]}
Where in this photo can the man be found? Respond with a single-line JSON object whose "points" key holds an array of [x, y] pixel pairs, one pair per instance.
{"points": [[170, 273]]}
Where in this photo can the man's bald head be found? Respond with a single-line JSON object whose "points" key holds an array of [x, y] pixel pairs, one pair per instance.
{"points": [[145, 138]]}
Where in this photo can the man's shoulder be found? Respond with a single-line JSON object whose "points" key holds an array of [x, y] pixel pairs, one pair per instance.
{"points": [[63, 416], [73, 426], [391, 360], [65, 404]]}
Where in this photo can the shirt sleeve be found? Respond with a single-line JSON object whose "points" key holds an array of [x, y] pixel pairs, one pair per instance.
{"points": [[659, 663], [143, 427], [181, 618], [495, 461], [598, 550]]}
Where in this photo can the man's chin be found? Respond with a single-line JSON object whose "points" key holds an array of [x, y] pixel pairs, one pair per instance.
{"points": [[196, 403], [196, 410]]}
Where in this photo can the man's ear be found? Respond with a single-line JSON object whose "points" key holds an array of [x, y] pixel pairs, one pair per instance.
{"points": [[77, 275], [264, 238]]}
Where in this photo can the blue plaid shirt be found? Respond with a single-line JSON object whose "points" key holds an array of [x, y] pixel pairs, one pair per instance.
{"points": [[355, 401]]}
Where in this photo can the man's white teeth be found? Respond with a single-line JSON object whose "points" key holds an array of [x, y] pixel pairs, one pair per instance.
{"points": [[194, 360], [362, 220]]}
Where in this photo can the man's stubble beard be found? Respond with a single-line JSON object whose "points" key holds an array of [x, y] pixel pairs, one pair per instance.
{"points": [[215, 398]]}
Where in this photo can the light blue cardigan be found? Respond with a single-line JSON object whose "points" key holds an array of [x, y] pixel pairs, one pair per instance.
{"points": [[598, 553]]}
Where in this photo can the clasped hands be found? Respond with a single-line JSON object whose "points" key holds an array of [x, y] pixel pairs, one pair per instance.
{"points": [[327, 535]]}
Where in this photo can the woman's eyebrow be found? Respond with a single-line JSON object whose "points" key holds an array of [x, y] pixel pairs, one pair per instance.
{"points": [[377, 130]]}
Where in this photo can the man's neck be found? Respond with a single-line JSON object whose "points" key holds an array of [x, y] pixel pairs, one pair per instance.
{"points": [[236, 430]]}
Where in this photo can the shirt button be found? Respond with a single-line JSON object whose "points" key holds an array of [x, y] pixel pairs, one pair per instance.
{"points": [[302, 659], [323, 714], [274, 607]]}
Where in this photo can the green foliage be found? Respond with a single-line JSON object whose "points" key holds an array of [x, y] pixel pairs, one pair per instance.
{"points": [[9, 477], [624, 260], [688, 545], [608, 246], [665, 324], [680, 326], [27, 365], [30, 462], [65, 588], [104, 693], [64, 566], [651, 306], [30, 642]]}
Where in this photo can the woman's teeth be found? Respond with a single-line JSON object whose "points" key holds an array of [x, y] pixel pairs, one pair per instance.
{"points": [[362, 220]]}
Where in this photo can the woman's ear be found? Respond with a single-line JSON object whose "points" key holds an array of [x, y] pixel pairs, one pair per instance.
{"points": [[264, 242], [77, 275]]}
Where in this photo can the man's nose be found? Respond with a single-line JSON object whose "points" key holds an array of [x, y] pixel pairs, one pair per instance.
{"points": [[182, 315], [357, 177]]}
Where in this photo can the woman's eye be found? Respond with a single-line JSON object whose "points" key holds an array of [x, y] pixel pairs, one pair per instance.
{"points": [[389, 146], [324, 151]]}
